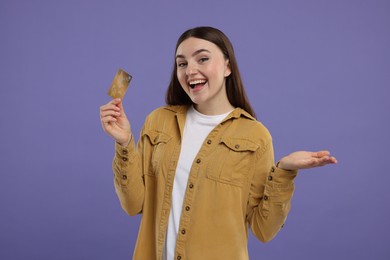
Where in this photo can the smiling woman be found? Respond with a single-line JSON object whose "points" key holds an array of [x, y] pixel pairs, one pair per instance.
{"points": [[202, 70], [203, 170], [211, 37]]}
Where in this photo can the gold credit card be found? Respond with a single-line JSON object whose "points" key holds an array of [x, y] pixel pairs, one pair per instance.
{"points": [[120, 84]]}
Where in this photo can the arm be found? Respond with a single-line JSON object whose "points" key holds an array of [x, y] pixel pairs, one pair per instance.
{"points": [[274, 199], [128, 178], [270, 196]]}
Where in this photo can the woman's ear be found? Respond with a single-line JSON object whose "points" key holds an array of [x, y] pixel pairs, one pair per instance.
{"points": [[228, 71]]}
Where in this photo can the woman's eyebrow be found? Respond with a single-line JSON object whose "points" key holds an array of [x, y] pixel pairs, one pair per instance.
{"points": [[193, 54]]}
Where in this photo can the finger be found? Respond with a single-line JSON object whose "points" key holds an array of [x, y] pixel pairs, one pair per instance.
{"points": [[327, 160], [106, 113], [108, 119], [321, 154], [116, 101], [120, 105], [121, 109], [332, 160], [109, 106]]}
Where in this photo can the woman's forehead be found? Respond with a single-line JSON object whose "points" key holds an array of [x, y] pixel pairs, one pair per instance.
{"points": [[190, 46]]}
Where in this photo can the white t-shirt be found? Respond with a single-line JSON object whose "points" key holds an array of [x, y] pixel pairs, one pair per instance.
{"points": [[196, 128]]}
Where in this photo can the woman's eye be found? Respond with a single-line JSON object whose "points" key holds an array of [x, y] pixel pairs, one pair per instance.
{"points": [[201, 60], [181, 64]]}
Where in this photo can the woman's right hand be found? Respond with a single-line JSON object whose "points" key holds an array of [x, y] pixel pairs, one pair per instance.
{"points": [[114, 121]]}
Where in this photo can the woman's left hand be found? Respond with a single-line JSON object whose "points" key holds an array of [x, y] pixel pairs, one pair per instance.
{"points": [[306, 160]]}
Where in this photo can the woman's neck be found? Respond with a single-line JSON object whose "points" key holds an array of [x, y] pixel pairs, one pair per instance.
{"points": [[213, 110]]}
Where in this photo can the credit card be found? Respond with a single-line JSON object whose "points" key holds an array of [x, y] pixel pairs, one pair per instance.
{"points": [[120, 84]]}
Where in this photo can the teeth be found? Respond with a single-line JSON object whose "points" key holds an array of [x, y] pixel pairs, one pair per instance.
{"points": [[199, 81]]}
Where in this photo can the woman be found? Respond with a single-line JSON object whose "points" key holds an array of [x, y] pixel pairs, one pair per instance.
{"points": [[203, 170]]}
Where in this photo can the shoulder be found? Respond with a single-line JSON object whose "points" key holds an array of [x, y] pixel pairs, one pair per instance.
{"points": [[166, 111], [247, 135], [246, 125], [253, 129], [163, 116], [247, 129]]}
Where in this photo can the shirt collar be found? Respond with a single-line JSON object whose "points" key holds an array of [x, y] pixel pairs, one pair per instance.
{"points": [[236, 113], [239, 112]]}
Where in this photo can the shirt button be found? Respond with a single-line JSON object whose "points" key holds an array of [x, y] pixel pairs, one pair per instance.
{"points": [[237, 146], [265, 197], [188, 208], [209, 142], [270, 178], [124, 152], [272, 169], [178, 257], [124, 159], [191, 185], [198, 161], [183, 231], [124, 177]]}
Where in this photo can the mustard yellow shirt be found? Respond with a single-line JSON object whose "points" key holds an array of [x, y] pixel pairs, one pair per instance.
{"points": [[233, 184]]}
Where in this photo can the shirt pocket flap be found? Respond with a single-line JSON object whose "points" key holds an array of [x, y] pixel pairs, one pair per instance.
{"points": [[157, 137], [239, 145], [155, 155]]}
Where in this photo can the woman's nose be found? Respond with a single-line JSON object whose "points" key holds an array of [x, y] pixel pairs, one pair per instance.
{"points": [[191, 69]]}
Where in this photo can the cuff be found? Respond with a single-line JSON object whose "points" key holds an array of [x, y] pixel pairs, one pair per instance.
{"points": [[124, 156], [123, 153], [282, 178]]}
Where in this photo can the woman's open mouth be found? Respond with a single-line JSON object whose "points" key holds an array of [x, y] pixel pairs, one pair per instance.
{"points": [[196, 84]]}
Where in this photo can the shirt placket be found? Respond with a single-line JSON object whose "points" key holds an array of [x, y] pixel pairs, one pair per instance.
{"points": [[190, 193], [169, 185]]}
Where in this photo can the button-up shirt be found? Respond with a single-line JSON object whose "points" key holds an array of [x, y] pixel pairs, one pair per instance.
{"points": [[233, 184]]}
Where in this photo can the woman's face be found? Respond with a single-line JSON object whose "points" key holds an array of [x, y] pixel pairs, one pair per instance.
{"points": [[202, 70]]}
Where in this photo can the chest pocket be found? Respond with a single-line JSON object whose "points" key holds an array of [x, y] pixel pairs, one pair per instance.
{"points": [[158, 150], [232, 160]]}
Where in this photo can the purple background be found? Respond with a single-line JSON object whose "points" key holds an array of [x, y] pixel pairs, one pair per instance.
{"points": [[317, 73]]}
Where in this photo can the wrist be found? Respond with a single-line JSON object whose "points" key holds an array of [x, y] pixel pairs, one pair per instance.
{"points": [[281, 164], [127, 142]]}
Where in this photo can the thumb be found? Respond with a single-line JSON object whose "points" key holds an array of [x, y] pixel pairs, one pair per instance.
{"points": [[118, 102], [122, 110], [120, 105]]}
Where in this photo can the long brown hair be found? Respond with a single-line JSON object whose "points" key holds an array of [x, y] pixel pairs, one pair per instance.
{"points": [[234, 88]]}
